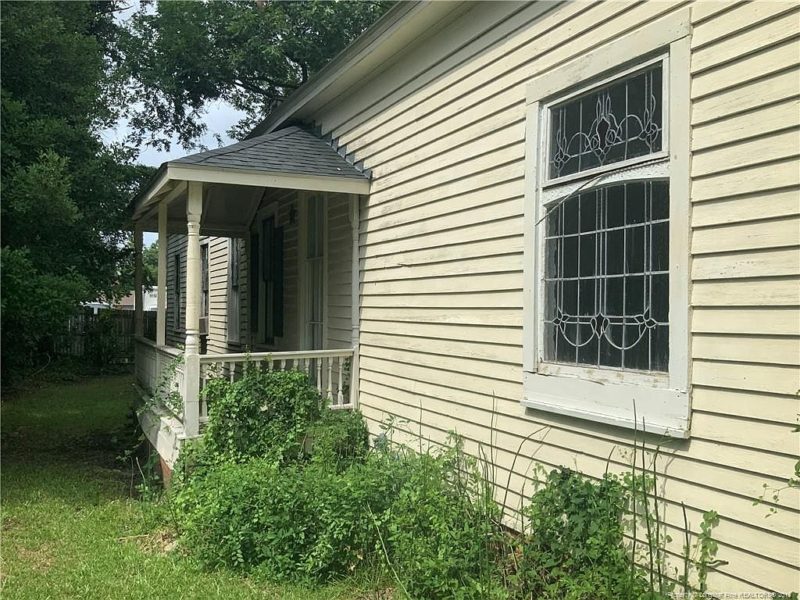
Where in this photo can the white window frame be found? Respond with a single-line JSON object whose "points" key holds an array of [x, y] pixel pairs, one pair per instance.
{"points": [[652, 402], [234, 321]]}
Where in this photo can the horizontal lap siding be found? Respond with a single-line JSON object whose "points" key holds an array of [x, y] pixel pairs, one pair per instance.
{"points": [[441, 256]]}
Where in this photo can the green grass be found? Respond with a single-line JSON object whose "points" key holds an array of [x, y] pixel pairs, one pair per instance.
{"points": [[71, 528]]}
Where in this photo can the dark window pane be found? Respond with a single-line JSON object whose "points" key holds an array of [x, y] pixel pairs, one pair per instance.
{"points": [[615, 206], [615, 252], [614, 297], [588, 303], [634, 250], [587, 351], [660, 200], [552, 257], [612, 123], [659, 298], [588, 208], [554, 221], [637, 347], [660, 248], [569, 300], [588, 255], [604, 304], [570, 216], [570, 259], [566, 343], [634, 203], [634, 295], [659, 360]]}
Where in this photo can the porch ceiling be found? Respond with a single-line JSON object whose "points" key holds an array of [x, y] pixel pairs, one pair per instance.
{"points": [[235, 176]]}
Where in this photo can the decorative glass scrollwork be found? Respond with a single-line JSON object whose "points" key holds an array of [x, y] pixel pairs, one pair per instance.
{"points": [[606, 279], [608, 124]]}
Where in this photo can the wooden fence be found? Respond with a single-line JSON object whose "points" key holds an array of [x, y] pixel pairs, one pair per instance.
{"points": [[110, 333]]}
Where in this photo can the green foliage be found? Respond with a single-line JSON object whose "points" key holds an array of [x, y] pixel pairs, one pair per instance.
{"points": [[65, 193], [442, 529], [574, 546], [34, 305], [180, 56], [290, 523], [339, 439], [263, 414]]}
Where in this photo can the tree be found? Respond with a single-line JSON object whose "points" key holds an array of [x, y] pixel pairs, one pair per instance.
{"points": [[180, 56], [65, 194]]}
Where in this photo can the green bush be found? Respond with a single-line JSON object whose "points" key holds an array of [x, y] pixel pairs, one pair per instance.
{"points": [[443, 530], [574, 545], [339, 439], [290, 523], [263, 414]]}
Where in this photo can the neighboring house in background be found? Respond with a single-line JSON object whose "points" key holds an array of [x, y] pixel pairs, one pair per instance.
{"points": [[576, 219], [149, 301]]}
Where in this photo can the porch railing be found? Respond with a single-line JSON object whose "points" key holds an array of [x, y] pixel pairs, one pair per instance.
{"points": [[159, 372], [328, 370]]}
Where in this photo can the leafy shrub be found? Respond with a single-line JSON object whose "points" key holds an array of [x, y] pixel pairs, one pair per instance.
{"points": [[442, 529], [292, 523], [262, 414], [574, 548], [339, 439]]}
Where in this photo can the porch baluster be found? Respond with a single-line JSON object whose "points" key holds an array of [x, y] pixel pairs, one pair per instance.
{"points": [[330, 379], [340, 382]]}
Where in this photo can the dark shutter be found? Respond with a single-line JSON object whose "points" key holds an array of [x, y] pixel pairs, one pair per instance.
{"points": [[268, 239], [253, 282], [277, 281]]}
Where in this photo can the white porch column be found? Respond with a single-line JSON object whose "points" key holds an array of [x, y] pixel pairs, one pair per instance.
{"points": [[161, 305], [191, 400], [138, 315], [355, 300]]}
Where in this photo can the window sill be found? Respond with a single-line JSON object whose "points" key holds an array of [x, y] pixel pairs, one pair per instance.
{"points": [[660, 411]]}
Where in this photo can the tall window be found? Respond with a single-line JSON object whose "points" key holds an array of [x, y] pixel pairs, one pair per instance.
{"points": [[606, 254], [234, 300], [606, 271]]}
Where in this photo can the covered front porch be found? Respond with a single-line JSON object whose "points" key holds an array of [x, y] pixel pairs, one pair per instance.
{"points": [[257, 262]]}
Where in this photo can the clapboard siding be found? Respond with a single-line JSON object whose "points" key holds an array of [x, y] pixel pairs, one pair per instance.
{"points": [[441, 255]]}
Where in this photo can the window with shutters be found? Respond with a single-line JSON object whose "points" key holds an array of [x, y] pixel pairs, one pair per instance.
{"points": [[606, 254]]}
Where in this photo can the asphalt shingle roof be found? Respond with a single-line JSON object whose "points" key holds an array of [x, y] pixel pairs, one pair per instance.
{"points": [[290, 150]]}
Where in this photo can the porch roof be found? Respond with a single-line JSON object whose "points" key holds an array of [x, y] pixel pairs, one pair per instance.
{"points": [[289, 150], [290, 158]]}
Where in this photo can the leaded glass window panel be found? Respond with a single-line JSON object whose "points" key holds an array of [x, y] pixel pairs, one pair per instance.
{"points": [[616, 122], [606, 278]]}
